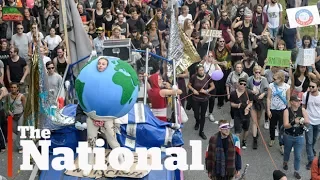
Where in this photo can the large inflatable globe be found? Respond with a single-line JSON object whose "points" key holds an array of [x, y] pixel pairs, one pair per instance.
{"points": [[110, 93]]}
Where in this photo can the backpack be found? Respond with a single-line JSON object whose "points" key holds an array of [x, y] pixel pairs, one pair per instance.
{"points": [[269, 5]]}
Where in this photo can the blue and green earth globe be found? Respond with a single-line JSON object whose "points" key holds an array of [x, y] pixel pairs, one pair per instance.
{"points": [[110, 93]]}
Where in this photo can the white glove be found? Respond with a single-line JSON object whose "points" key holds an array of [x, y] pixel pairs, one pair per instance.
{"points": [[80, 126], [67, 84], [94, 53]]}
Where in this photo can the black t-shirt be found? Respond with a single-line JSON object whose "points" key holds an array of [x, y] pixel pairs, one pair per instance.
{"points": [[4, 56], [243, 99], [262, 52], [288, 35], [296, 129], [16, 69]]}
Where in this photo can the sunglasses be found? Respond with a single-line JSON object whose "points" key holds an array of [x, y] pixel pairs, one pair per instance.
{"points": [[50, 68], [221, 41], [224, 15], [19, 28], [241, 11], [243, 84], [257, 72], [311, 86]]}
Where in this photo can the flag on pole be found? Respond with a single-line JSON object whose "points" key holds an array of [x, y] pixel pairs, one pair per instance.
{"points": [[79, 42], [181, 49]]}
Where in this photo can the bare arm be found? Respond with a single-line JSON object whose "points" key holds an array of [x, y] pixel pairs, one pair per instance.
{"points": [[23, 100], [2, 76], [286, 123], [169, 92], [26, 72], [8, 74]]}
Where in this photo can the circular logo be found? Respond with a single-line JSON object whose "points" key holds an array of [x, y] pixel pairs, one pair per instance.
{"points": [[304, 17]]}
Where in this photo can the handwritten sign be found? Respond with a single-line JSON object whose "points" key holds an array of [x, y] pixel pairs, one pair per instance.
{"points": [[211, 33], [11, 14], [110, 172], [303, 16], [306, 57], [279, 58]]}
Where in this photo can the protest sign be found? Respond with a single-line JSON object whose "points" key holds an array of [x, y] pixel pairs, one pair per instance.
{"points": [[279, 58], [303, 16], [211, 33], [11, 14], [306, 57], [110, 172]]}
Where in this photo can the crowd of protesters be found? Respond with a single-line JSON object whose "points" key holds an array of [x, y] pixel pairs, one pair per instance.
{"points": [[286, 100]]}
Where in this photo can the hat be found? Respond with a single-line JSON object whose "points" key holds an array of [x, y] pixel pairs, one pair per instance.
{"points": [[242, 79], [277, 175], [134, 30], [295, 98], [225, 126], [99, 29]]}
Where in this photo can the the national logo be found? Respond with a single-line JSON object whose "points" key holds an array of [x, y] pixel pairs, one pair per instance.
{"points": [[304, 17]]}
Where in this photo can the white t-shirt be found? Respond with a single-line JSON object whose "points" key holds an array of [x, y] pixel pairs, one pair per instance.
{"points": [[277, 102], [52, 42], [181, 19], [273, 14], [30, 36], [209, 67], [313, 108]]}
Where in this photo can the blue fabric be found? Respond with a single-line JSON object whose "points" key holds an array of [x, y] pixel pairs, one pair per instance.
{"points": [[220, 158], [297, 143], [311, 139], [279, 93], [150, 134], [65, 137], [52, 174], [70, 110]]}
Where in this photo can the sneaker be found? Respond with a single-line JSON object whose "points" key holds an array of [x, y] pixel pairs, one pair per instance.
{"points": [[231, 123], [211, 118], [255, 144], [244, 144], [292, 150], [285, 166], [276, 133], [296, 175], [207, 114], [308, 166], [216, 122], [314, 152], [271, 143], [266, 125], [282, 150]]}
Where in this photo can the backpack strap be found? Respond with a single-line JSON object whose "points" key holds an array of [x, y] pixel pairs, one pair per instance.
{"points": [[307, 99]]}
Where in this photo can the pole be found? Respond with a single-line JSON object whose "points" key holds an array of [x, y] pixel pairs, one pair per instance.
{"points": [[66, 38], [146, 78], [211, 39]]}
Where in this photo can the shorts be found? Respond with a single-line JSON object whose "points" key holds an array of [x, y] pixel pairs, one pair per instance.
{"points": [[241, 123]]}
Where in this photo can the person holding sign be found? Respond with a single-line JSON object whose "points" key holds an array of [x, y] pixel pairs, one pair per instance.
{"points": [[307, 41]]}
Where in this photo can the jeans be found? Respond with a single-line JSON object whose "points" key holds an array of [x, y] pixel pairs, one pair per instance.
{"points": [[273, 32], [311, 138], [15, 124], [277, 115], [200, 109], [297, 143]]}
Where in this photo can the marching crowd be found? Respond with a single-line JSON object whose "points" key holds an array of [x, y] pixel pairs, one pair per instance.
{"points": [[286, 100]]}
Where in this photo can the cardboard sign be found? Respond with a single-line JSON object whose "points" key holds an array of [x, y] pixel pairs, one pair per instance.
{"points": [[211, 33], [279, 58], [303, 16], [110, 172], [306, 57], [11, 14]]}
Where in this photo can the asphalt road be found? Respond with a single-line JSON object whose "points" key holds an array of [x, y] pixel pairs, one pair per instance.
{"points": [[260, 164]]}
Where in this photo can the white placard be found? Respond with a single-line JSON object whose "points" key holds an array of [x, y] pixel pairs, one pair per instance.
{"points": [[211, 33], [303, 16], [306, 57]]}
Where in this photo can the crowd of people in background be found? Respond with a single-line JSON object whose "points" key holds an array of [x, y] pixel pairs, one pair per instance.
{"points": [[286, 100]]}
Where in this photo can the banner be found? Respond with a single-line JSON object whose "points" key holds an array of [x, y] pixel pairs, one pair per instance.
{"points": [[11, 14], [279, 58], [303, 16], [110, 172], [306, 57]]}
